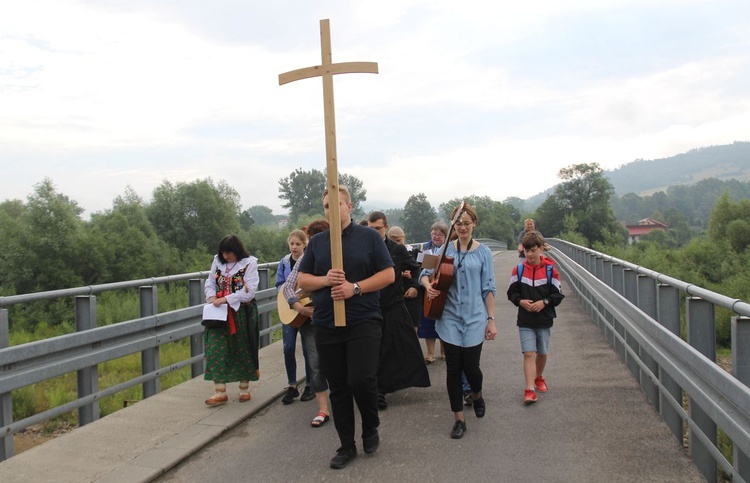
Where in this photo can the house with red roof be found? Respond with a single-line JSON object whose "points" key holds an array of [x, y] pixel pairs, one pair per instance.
{"points": [[644, 227]]}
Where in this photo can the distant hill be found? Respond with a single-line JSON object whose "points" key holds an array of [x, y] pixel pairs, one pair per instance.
{"points": [[645, 177]]}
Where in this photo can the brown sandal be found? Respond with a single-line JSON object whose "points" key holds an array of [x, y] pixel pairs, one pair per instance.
{"points": [[218, 399], [244, 392]]}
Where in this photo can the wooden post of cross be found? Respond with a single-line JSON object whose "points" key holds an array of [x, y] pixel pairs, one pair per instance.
{"points": [[327, 70]]}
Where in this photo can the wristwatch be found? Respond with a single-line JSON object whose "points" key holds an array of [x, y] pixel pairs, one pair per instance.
{"points": [[357, 290], [546, 301]]}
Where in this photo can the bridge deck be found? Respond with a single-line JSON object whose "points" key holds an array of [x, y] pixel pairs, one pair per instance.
{"points": [[593, 425]]}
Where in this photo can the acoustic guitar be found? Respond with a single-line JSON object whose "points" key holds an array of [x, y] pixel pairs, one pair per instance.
{"points": [[287, 314], [442, 276]]}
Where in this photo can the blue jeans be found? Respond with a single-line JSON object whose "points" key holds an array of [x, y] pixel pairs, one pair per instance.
{"points": [[289, 340]]}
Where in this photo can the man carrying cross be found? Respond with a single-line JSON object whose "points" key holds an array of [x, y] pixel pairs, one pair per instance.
{"points": [[349, 355], [345, 268]]}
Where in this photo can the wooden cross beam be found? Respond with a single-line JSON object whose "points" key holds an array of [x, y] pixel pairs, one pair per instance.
{"points": [[327, 70]]}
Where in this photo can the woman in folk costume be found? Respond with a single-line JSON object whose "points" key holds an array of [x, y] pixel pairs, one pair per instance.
{"points": [[232, 350]]}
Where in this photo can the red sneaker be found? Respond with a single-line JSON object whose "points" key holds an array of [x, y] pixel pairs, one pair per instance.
{"points": [[529, 397], [541, 384]]}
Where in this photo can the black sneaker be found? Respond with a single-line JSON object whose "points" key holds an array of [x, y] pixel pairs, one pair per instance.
{"points": [[459, 428], [307, 394], [382, 403], [371, 443], [291, 393], [468, 400], [343, 457]]}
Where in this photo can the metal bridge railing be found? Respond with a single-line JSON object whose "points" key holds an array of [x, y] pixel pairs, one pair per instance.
{"points": [[639, 311], [81, 352]]}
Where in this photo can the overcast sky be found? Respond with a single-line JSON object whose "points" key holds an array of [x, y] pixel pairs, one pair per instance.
{"points": [[489, 98]]}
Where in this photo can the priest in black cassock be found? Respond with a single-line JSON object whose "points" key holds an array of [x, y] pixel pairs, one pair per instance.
{"points": [[401, 362]]}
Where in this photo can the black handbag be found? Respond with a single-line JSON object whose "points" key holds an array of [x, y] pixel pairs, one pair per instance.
{"points": [[211, 320]]}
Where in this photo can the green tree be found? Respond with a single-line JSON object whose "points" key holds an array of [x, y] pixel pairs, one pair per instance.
{"points": [[395, 215], [551, 220], [418, 217], [260, 215], [128, 245], [52, 252], [585, 192], [303, 193], [265, 243], [195, 214], [721, 215], [13, 237], [357, 192]]}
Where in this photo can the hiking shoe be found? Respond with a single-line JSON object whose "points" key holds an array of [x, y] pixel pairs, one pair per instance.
{"points": [[540, 384], [468, 400], [291, 393], [529, 397]]}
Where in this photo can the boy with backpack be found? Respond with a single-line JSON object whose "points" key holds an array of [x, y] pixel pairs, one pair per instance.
{"points": [[535, 289]]}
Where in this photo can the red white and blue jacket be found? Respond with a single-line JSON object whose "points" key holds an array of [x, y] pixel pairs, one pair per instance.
{"points": [[534, 286]]}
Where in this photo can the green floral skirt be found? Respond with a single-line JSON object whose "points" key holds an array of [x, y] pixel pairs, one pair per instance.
{"points": [[232, 358]]}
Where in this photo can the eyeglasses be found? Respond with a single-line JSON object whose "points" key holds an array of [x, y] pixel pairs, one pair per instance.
{"points": [[438, 235], [464, 223]]}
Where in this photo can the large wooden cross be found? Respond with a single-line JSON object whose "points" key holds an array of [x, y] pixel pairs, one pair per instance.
{"points": [[327, 70]]}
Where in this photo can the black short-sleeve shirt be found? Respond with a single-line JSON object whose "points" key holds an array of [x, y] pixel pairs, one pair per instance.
{"points": [[364, 255]]}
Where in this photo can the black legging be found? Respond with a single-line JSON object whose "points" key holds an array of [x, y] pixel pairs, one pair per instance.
{"points": [[462, 359]]}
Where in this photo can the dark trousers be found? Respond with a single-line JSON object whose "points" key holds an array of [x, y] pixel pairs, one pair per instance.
{"points": [[457, 360], [349, 360]]}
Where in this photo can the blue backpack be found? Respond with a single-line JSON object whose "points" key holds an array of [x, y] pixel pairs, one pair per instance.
{"points": [[549, 273]]}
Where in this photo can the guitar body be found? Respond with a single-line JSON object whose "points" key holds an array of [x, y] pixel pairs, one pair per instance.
{"points": [[442, 276], [289, 316], [441, 279]]}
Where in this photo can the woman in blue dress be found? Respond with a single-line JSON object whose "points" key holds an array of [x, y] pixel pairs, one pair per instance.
{"points": [[468, 318]]}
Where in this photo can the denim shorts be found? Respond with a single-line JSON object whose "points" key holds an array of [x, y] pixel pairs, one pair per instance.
{"points": [[534, 340]]}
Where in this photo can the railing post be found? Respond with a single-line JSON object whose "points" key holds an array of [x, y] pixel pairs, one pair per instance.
{"points": [[6, 401], [630, 292], [591, 263], [701, 335], [668, 315], [741, 370], [617, 278], [618, 274], [265, 319], [647, 303], [149, 297], [607, 272], [196, 297], [599, 268], [630, 286], [88, 378]]}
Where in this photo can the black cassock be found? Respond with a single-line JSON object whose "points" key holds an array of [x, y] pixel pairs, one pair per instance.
{"points": [[401, 361]]}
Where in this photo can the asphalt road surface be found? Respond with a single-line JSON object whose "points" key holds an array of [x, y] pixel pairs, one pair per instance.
{"points": [[594, 424]]}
